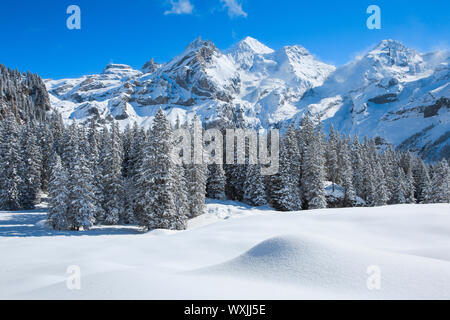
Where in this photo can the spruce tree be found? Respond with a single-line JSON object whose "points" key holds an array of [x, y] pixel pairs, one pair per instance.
{"points": [[398, 194], [440, 184], [254, 186], [58, 196], [332, 162], [422, 182], [381, 193], [182, 198], [313, 177], [215, 185], [155, 205], [10, 181], [368, 186], [235, 175], [285, 192], [30, 168], [196, 176], [111, 182], [46, 145], [93, 158], [82, 205], [409, 187], [358, 167], [347, 175]]}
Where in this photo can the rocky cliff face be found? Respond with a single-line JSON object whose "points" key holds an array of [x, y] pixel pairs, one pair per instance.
{"points": [[392, 92]]}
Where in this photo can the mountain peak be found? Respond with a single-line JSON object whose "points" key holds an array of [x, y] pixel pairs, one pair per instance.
{"points": [[150, 66], [199, 43], [390, 44], [251, 44], [392, 52], [116, 68], [296, 49]]}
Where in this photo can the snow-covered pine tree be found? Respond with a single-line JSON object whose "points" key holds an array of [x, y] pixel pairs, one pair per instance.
{"points": [[422, 182], [81, 206], [409, 189], [93, 158], [81, 202], [376, 190], [181, 186], [30, 168], [137, 150], [46, 143], [398, 194], [215, 185], [57, 131], [58, 196], [84, 146], [406, 162], [440, 184], [381, 193], [155, 205], [358, 167], [196, 175], [347, 174], [368, 179], [255, 193], [181, 199], [284, 190], [305, 136], [10, 180], [235, 175], [111, 178], [254, 186], [313, 167], [390, 165], [331, 154], [69, 145], [127, 140], [216, 176], [137, 146]]}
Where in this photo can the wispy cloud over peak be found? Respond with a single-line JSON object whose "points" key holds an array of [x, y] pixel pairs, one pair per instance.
{"points": [[234, 8]]}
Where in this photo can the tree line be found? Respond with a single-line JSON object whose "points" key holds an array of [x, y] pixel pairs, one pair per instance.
{"points": [[99, 174]]}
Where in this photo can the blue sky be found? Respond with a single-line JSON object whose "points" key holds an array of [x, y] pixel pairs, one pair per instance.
{"points": [[34, 35]]}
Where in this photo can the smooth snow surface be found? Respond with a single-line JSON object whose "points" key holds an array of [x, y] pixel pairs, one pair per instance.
{"points": [[236, 252]]}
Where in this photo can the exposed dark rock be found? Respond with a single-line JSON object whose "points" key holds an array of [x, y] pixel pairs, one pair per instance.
{"points": [[384, 99], [150, 66], [188, 103], [431, 111]]}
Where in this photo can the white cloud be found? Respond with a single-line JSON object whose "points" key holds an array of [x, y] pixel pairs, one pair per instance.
{"points": [[234, 8], [180, 7]]}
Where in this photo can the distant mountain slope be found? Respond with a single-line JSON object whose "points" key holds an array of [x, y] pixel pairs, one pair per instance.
{"points": [[392, 92]]}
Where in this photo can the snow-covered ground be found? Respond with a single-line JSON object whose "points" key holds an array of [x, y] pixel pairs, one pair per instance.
{"points": [[236, 252]]}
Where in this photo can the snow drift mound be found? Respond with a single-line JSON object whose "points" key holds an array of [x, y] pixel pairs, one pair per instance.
{"points": [[319, 263]]}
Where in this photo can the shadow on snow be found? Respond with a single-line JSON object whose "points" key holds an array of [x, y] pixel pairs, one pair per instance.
{"points": [[30, 223]]}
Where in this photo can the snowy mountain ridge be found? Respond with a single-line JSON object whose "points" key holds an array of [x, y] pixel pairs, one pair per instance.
{"points": [[392, 92]]}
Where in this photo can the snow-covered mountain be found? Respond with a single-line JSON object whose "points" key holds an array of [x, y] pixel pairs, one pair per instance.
{"points": [[392, 92]]}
